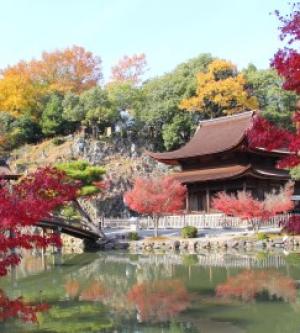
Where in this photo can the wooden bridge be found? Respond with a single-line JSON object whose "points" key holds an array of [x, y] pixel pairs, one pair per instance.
{"points": [[61, 225]]}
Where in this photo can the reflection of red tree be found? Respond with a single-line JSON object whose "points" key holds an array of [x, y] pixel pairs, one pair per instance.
{"points": [[72, 288], [18, 308], [248, 284], [94, 292], [160, 300]]}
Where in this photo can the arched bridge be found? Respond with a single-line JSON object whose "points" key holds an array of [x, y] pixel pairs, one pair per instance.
{"points": [[61, 225]]}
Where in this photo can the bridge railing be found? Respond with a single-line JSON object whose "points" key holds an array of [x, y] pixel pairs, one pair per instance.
{"points": [[197, 220]]}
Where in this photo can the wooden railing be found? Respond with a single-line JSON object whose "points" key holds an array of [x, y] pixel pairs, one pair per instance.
{"points": [[197, 220]]}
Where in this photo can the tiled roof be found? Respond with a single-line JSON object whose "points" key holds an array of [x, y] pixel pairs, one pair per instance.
{"points": [[212, 136]]}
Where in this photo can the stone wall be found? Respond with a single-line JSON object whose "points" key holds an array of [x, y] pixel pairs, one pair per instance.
{"points": [[245, 243]]}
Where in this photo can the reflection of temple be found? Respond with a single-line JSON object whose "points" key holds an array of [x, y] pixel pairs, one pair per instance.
{"points": [[218, 158]]}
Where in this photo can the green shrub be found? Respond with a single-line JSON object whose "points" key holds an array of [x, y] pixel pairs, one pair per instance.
{"points": [[58, 141], [261, 236], [133, 236], [189, 232]]}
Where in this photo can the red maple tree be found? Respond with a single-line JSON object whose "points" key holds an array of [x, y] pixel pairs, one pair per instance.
{"points": [[129, 69], [263, 133], [24, 204], [156, 197], [287, 60], [246, 207]]}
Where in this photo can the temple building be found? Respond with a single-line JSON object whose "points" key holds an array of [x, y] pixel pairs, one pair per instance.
{"points": [[218, 158]]}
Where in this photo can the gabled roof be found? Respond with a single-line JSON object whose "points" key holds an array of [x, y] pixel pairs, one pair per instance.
{"points": [[229, 172], [211, 137]]}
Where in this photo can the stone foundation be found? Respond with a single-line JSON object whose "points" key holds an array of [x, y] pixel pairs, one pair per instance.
{"points": [[288, 243], [72, 244]]}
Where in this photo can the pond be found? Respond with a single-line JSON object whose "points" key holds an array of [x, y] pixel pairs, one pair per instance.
{"points": [[141, 293]]}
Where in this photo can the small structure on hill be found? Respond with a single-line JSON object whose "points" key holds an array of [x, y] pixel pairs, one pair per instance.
{"points": [[5, 172], [218, 158]]}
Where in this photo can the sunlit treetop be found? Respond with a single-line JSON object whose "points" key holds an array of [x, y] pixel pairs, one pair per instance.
{"points": [[24, 85], [129, 68], [221, 90]]}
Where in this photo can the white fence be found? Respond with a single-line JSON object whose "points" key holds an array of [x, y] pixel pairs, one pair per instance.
{"points": [[197, 220]]}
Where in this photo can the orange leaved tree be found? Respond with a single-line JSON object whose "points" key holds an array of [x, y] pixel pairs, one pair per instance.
{"points": [[156, 197], [25, 85]]}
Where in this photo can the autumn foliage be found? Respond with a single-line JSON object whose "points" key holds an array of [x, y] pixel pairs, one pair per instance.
{"points": [[287, 63], [287, 60], [156, 196], [22, 205], [159, 301], [19, 309], [24, 85], [129, 69], [263, 134], [220, 89], [247, 285], [246, 207]]}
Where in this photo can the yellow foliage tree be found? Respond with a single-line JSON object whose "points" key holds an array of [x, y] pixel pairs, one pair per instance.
{"points": [[220, 91], [18, 93], [24, 85]]}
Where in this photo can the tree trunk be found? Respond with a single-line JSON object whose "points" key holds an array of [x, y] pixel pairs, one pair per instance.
{"points": [[88, 221], [156, 219]]}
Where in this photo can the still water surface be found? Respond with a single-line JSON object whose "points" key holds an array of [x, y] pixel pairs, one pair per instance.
{"points": [[121, 292]]}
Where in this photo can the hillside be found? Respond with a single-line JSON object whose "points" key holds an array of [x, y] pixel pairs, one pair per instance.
{"points": [[122, 160]]}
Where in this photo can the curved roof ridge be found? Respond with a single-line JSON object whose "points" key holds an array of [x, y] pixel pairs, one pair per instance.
{"points": [[211, 137], [218, 120]]}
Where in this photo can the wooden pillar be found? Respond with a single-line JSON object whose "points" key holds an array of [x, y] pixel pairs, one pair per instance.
{"points": [[207, 200], [187, 202]]}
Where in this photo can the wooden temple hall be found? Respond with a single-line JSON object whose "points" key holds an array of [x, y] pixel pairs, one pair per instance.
{"points": [[218, 158]]}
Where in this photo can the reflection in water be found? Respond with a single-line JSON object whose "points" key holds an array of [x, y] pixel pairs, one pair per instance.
{"points": [[95, 292], [72, 288], [247, 285], [122, 293], [159, 300], [19, 309]]}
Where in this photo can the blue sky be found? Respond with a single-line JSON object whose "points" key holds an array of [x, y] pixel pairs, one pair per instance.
{"points": [[168, 31]]}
